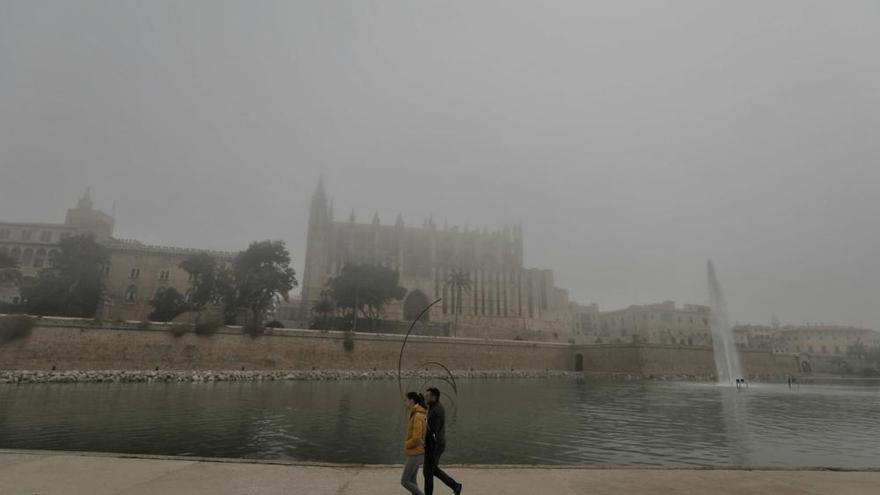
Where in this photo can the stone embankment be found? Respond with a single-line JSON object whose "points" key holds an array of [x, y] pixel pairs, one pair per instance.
{"points": [[182, 376], [56, 473]]}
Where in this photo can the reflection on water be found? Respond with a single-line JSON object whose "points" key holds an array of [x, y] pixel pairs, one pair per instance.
{"points": [[494, 421], [735, 414]]}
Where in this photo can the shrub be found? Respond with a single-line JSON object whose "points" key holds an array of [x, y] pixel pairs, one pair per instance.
{"points": [[254, 329], [274, 324], [14, 327], [208, 327], [348, 341], [179, 329]]}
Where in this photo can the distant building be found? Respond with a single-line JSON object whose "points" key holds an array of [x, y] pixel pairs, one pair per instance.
{"points": [[134, 275], [34, 244], [661, 323], [825, 339], [138, 272], [757, 337], [585, 322], [503, 292], [289, 312]]}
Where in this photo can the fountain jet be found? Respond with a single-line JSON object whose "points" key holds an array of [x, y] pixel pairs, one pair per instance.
{"points": [[726, 356]]}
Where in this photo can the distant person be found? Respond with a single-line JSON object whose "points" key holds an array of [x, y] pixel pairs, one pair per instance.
{"points": [[414, 445], [435, 444]]}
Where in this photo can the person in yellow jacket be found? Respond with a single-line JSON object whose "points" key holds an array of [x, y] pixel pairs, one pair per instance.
{"points": [[414, 445]]}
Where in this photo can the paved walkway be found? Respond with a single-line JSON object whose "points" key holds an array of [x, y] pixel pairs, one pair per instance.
{"points": [[48, 473]]}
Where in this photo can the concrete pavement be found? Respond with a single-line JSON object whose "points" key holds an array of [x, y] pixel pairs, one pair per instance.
{"points": [[56, 473]]}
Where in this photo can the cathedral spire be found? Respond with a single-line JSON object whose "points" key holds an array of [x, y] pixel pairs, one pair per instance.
{"points": [[318, 210], [319, 194]]}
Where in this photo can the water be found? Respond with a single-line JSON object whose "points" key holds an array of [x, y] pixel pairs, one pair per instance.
{"points": [[493, 421], [726, 356]]}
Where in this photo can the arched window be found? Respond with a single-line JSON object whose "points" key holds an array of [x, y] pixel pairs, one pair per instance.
{"points": [[414, 303], [4, 250], [130, 294], [40, 258], [16, 253], [27, 257]]}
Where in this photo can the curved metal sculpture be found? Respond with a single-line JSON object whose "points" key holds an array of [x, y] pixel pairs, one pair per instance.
{"points": [[450, 379]]}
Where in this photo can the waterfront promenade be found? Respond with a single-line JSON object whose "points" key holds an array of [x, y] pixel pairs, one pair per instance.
{"points": [[54, 473]]}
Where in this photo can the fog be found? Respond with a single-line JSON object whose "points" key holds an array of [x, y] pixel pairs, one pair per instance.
{"points": [[632, 140]]}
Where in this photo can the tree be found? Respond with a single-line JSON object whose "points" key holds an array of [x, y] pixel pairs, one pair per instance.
{"points": [[323, 308], [872, 354], [9, 277], [365, 289], [9, 273], [263, 277], [72, 286], [204, 274], [227, 294], [458, 281], [858, 350], [167, 304]]}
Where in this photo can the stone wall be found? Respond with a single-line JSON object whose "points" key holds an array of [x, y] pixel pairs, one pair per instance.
{"points": [[651, 359], [72, 344], [69, 345], [489, 327]]}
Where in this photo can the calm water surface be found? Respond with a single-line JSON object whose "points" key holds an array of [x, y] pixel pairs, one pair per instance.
{"points": [[492, 421]]}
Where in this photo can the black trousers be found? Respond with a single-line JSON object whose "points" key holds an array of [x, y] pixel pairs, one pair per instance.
{"points": [[431, 468]]}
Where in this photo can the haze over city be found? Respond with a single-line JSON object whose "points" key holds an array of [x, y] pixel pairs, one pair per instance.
{"points": [[632, 142]]}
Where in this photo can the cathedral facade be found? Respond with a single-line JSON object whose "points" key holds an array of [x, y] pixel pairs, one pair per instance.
{"points": [[503, 293]]}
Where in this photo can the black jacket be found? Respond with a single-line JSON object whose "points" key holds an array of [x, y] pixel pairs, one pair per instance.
{"points": [[436, 436]]}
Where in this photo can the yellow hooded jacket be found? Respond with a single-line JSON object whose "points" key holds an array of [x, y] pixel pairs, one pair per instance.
{"points": [[415, 433]]}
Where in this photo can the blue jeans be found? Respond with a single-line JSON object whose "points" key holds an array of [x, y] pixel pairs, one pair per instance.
{"points": [[410, 473]]}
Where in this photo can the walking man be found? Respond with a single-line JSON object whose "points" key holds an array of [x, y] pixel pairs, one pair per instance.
{"points": [[435, 444]]}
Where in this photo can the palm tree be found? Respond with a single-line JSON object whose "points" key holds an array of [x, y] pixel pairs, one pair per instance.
{"points": [[458, 281]]}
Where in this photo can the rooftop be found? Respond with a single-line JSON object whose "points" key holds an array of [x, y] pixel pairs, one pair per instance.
{"points": [[115, 244]]}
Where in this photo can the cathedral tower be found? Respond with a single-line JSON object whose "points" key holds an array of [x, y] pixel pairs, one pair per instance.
{"points": [[317, 247]]}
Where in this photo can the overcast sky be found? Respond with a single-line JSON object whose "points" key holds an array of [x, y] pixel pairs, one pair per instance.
{"points": [[633, 140]]}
